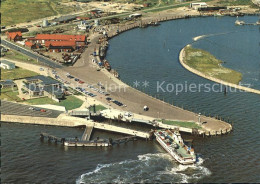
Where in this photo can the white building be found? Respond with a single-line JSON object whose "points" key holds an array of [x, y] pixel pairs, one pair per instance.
{"points": [[83, 25], [135, 15], [198, 5], [7, 65]]}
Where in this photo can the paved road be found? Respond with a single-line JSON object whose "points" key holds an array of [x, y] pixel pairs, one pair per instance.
{"points": [[45, 61], [11, 108]]}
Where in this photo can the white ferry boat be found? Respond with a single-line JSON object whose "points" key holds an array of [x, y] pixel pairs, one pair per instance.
{"points": [[172, 142]]}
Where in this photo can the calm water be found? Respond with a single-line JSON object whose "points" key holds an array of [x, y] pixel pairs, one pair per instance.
{"points": [[154, 57]]}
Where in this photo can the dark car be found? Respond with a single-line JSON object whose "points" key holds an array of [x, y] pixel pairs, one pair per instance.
{"points": [[76, 79], [118, 103], [108, 99]]}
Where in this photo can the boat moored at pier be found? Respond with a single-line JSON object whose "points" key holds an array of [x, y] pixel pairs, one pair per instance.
{"points": [[172, 142]]}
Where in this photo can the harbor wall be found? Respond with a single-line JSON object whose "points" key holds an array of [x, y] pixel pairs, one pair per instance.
{"points": [[62, 120], [69, 121], [243, 88]]}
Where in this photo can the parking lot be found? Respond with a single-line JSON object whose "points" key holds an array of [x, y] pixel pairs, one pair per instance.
{"points": [[11, 108], [90, 90]]}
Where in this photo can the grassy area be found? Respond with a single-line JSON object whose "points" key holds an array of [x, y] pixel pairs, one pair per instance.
{"points": [[71, 102], [14, 55], [18, 11], [236, 2], [16, 73], [10, 94], [182, 124], [209, 65], [166, 8], [98, 108]]}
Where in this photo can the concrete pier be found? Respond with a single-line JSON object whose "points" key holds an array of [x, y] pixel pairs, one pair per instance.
{"points": [[69, 121]]}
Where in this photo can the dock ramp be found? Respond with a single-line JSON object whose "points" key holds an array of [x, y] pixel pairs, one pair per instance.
{"points": [[87, 133]]}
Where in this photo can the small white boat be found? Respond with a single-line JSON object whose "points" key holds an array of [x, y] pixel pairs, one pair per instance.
{"points": [[218, 15], [240, 22]]}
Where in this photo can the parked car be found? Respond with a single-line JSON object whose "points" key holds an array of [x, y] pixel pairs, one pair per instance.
{"points": [[118, 103], [43, 110], [37, 109], [81, 82], [108, 99], [76, 79]]}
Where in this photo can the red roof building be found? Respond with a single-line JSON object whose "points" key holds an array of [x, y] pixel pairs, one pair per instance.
{"points": [[14, 36], [59, 46], [57, 37], [59, 43]]}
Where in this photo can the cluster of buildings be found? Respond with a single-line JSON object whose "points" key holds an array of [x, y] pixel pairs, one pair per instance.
{"points": [[41, 86], [57, 42], [52, 42]]}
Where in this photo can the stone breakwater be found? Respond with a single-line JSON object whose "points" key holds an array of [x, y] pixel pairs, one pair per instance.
{"points": [[243, 88]]}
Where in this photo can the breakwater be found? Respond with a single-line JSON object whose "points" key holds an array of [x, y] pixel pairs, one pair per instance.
{"points": [[182, 61]]}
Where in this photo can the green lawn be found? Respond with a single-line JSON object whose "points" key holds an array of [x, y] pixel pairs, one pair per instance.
{"points": [[14, 55], [236, 2], [98, 108], [16, 73], [18, 11], [209, 65], [10, 94], [182, 124], [71, 102]]}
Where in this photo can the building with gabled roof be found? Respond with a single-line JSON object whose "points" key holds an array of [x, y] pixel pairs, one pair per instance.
{"points": [[14, 36], [60, 46]]}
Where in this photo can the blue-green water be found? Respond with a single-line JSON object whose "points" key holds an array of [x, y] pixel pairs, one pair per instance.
{"points": [[152, 54]]}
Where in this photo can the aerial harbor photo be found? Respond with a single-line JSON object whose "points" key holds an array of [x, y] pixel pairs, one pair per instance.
{"points": [[130, 91]]}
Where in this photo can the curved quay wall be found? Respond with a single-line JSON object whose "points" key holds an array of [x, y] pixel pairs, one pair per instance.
{"points": [[123, 29], [243, 88]]}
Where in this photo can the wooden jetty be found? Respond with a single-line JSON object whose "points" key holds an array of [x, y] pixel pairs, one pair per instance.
{"points": [[85, 140], [51, 138]]}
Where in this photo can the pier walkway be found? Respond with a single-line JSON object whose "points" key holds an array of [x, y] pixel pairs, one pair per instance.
{"points": [[87, 133]]}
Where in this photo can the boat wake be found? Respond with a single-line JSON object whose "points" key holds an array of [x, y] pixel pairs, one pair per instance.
{"points": [[147, 169], [209, 35]]}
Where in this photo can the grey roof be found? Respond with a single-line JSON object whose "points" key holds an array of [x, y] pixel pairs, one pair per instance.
{"points": [[65, 18], [45, 85], [7, 62], [45, 80], [7, 82]]}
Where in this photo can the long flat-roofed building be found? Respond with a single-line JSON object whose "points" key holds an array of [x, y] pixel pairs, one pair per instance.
{"points": [[80, 40], [198, 5]]}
